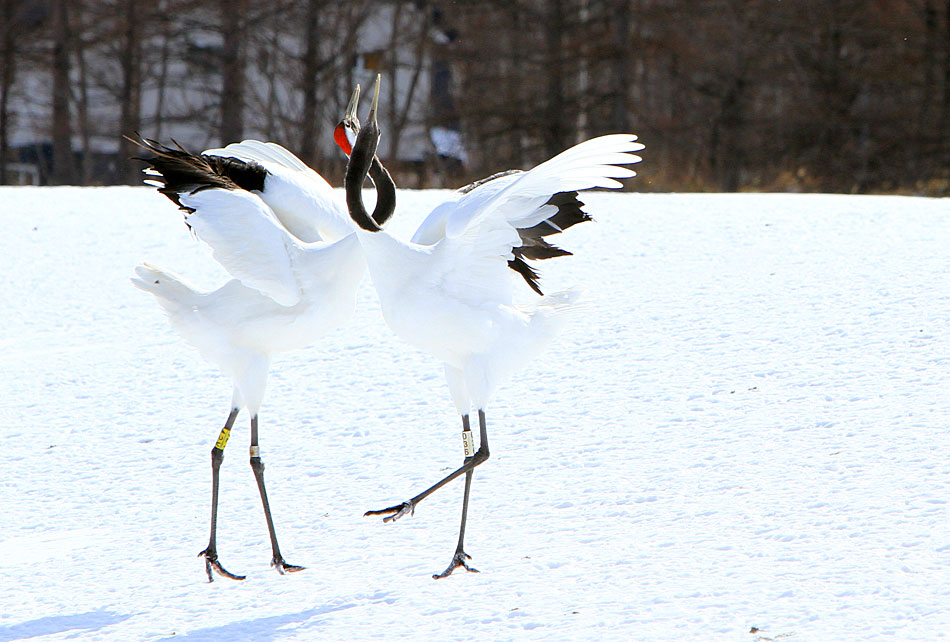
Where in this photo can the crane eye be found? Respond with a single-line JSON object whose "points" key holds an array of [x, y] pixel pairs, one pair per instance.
{"points": [[351, 132]]}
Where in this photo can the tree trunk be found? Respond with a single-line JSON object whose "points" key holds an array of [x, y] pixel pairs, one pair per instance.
{"points": [[622, 63], [232, 70], [945, 113], [928, 120], [393, 80], [728, 155], [163, 61], [63, 167], [131, 98], [82, 110], [7, 74], [311, 68], [399, 118], [554, 132]]}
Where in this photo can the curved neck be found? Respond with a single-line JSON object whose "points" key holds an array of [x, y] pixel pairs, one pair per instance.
{"points": [[385, 192], [362, 158]]}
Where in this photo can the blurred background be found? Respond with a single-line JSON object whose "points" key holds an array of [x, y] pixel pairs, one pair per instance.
{"points": [[768, 95]]}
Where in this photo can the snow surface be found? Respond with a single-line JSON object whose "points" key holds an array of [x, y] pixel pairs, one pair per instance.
{"points": [[745, 438]]}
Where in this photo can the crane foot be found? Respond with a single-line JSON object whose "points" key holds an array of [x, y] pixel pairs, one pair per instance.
{"points": [[212, 564], [283, 567], [393, 512], [458, 561]]}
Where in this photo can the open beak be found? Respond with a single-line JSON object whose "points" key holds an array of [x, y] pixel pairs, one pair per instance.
{"points": [[345, 132], [372, 109], [353, 104]]}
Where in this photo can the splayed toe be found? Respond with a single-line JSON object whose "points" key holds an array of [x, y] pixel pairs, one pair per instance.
{"points": [[393, 512], [212, 564]]}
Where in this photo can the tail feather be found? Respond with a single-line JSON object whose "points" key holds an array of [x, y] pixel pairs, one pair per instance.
{"points": [[566, 301], [186, 310], [548, 316], [171, 291], [554, 311]]}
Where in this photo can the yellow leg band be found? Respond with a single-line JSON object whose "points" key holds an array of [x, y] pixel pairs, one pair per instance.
{"points": [[223, 438], [255, 451]]}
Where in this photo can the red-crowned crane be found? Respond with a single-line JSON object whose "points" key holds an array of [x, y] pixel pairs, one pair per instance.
{"points": [[449, 291], [278, 228]]}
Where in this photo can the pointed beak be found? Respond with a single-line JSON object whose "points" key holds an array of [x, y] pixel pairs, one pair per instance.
{"points": [[372, 109], [353, 104], [345, 132]]}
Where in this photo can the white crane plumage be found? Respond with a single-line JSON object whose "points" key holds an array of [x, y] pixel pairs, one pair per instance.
{"points": [[449, 291], [278, 228]]}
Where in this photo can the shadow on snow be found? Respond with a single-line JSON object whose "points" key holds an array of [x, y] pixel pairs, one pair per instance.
{"points": [[91, 621], [268, 628]]}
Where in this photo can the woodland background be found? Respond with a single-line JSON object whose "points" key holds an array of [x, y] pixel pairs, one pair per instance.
{"points": [[771, 95]]}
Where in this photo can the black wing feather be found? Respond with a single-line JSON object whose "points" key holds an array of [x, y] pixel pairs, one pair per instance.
{"points": [[533, 244], [181, 172]]}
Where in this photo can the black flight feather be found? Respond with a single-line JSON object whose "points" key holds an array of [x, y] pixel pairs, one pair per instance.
{"points": [[533, 245], [181, 172]]}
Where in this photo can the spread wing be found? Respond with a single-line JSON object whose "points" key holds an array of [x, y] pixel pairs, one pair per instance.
{"points": [[302, 200], [432, 229], [494, 227], [593, 163], [246, 239], [255, 150]]}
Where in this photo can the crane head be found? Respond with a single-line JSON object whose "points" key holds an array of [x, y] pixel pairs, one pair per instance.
{"points": [[349, 127], [344, 134]]}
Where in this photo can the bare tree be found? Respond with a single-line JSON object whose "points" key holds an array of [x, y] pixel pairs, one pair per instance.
{"points": [[728, 94], [63, 166], [312, 65], [409, 33], [80, 96], [555, 131], [131, 97], [233, 63], [8, 49], [622, 63]]}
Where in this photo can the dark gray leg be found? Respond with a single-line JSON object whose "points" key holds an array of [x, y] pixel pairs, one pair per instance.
{"points": [[217, 456], [471, 461], [460, 559], [277, 561]]}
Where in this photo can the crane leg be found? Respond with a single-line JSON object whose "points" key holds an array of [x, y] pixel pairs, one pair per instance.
{"points": [[217, 456], [472, 459], [460, 558], [277, 561]]}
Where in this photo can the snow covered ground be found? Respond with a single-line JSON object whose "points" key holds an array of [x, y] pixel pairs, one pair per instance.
{"points": [[745, 438]]}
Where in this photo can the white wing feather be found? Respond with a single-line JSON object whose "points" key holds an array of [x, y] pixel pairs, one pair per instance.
{"points": [[474, 267], [432, 229], [255, 150], [481, 228], [303, 201], [593, 163], [246, 239]]}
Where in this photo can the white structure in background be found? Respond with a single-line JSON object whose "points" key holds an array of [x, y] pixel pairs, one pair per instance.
{"points": [[419, 88], [412, 92], [374, 43]]}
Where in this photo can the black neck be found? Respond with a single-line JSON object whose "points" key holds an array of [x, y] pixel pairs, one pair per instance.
{"points": [[385, 192], [362, 158]]}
